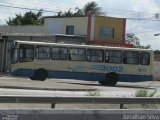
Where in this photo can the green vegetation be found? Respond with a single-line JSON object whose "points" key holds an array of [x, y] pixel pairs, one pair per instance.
{"points": [[131, 38], [144, 93], [32, 18], [29, 18], [157, 52], [93, 93], [91, 8]]}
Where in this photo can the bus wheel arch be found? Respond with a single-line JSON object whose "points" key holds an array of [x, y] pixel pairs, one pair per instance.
{"points": [[40, 74]]}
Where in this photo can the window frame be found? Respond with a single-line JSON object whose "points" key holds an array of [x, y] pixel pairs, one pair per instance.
{"points": [[107, 30], [96, 55], [131, 57], [18, 56], [57, 53], [67, 29], [114, 56], [148, 58], [69, 54], [38, 52]]}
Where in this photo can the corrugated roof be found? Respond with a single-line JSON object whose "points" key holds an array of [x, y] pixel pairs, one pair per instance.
{"points": [[63, 16], [40, 34], [27, 34]]}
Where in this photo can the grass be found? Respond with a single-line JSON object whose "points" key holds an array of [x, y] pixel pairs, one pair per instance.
{"points": [[93, 93], [144, 93]]}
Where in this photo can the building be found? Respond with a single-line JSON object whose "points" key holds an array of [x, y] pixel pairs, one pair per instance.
{"points": [[97, 30]]}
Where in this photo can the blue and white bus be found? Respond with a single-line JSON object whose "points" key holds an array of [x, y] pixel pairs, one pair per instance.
{"points": [[107, 65]]}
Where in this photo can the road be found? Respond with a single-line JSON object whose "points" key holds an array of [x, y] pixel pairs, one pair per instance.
{"points": [[60, 87]]}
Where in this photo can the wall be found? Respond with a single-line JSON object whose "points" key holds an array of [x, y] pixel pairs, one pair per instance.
{"points": [[117, 24], [58, 25], [23, 29], [156, 70]]}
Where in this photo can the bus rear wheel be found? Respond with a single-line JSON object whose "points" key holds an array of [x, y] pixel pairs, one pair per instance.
{"points": [[110, 80], [40, 74]]}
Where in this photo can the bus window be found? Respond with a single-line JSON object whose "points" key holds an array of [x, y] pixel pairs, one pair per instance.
{"points": [[131, 57], [59, 53], [94, 55], [77, 54], [26, 53], [145, 58], [113, 56], [42, 52]]}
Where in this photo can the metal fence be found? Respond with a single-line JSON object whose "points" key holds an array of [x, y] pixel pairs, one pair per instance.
{"points": [[78, 100]]}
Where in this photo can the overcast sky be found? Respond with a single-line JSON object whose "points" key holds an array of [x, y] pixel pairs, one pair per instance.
{"points": [[134, 9]]}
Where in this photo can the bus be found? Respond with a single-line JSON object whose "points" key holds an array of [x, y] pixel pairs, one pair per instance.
{"points": [[107, 65]]}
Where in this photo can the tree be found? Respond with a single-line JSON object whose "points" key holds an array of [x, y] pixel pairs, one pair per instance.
{"points": [[157, 52], [91, 8], [29, 18], [131, 38], [15, 21]]}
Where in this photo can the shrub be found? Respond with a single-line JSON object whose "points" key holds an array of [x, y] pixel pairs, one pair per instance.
{"points": [[144, 93], [93, 93]]}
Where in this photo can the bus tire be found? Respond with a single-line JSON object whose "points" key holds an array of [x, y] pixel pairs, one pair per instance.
{"points": [[32, 78], [102, 82], [40, 74], [111, 79]]}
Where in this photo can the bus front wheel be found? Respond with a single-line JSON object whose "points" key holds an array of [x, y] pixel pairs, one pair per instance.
{"points": [[40, 74], [110, 80]]}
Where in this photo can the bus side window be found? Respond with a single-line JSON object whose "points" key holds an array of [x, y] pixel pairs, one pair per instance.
{"points": [[94, 55], [26, 53], [131, 57], [124, 60], [145, 58], [77, 54], [42, 52], [59, 53], [113, 56]]}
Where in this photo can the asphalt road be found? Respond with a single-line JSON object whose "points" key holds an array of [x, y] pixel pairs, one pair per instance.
{"points": [[62, 87], [59, 87]]}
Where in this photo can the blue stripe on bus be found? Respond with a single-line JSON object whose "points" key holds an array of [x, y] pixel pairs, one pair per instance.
{"points": [[76, 75], [135, 78], [23, 72], [83, 76]]}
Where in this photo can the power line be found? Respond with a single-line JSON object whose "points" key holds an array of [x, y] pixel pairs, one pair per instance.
{"points": [[26, 8], [144, 19], [22, 5]]}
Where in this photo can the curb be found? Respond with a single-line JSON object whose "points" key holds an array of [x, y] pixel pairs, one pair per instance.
{"points": [[49, 89]]}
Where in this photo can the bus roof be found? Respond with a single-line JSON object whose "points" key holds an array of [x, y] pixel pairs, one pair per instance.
{"points": [[80, 45]]}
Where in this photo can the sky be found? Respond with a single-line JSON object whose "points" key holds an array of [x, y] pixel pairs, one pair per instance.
{"points": [[135, 11]]}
